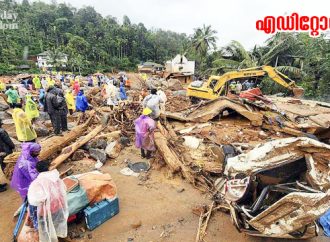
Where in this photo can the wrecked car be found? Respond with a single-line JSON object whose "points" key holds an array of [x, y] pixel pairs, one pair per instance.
{"points": [[280, 188]]}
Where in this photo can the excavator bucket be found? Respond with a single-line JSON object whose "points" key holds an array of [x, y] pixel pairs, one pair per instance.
{"points": [[298, 92]]}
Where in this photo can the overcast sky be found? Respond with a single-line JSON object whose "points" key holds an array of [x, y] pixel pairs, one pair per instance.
{"points": [[232, 19]]}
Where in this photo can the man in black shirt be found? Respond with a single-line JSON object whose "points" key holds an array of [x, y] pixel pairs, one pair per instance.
{"points": [[6, 147]]}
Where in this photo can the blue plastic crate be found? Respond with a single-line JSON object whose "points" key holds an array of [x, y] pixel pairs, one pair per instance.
{"points": [[100, 212]]}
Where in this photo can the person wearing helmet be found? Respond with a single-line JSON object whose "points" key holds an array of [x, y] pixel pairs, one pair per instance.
{"points": [[144, 133]]}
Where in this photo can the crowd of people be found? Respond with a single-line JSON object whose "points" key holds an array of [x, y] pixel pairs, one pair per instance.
{"points": [[60, 96]]}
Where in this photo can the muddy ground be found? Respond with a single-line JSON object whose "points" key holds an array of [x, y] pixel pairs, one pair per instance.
{"points": [[155, 209]]}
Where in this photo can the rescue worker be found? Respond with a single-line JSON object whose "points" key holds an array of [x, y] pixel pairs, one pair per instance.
{"points": [[56, 107], [69, 98], [153, 101], [50, 81], [81, 102], [122, 91], [2, 86], [36, 82], [25, 169], [24, 129], [112, 94], [232, 87], [31, 108], [6, 147], [76, 87], [44, 83], [47, 199], [163, 98], [238, 88], [12, 96], [144, 133]]}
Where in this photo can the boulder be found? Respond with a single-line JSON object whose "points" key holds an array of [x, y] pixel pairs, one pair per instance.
{"points": [[98, 155], [78, 155], [97, 144], [41, 130]]}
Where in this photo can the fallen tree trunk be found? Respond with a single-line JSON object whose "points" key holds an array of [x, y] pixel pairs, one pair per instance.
{"points": [[53, 144], [170, 157], [68, 151]]}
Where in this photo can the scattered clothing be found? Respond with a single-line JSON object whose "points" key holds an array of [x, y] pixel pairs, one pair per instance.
{"points": [[25, 169]]}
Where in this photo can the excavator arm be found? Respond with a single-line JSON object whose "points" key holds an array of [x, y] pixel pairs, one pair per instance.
{"points": [[274, 74]]}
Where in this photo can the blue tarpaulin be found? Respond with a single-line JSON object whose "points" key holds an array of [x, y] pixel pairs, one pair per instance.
{"points": [[325, 223]]}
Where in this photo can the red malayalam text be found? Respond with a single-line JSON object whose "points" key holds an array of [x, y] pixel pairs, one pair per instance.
{"points": [[314, 25]]}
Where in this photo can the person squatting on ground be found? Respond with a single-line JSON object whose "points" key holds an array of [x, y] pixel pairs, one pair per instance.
{"points": [[144, 133], [56, 107]]}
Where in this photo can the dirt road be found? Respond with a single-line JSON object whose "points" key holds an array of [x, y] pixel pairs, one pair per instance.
{"points": [[158, 209]]}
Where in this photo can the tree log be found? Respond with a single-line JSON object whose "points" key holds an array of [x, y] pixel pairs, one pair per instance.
{"points": [[51, 145], [68, 151], [170, 157]]}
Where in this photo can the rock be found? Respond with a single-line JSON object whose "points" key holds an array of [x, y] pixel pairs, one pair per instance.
{"points": [[262, 135], [97, 144], [78, 155], [191, 142], [113, 149], [98, 155], [136, 225], [43, 116], [41, 130], [90, 236], [124, 141], [180, 93], [174, 84]]}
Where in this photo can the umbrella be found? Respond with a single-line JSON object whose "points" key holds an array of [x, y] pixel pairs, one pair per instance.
{"points": [[98, 74]]}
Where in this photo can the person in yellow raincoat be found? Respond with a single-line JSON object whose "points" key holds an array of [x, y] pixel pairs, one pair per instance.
{"points": [[50, 81], [31, 108], [24, 129], [70, 101], [36, 82], [2, 86]]}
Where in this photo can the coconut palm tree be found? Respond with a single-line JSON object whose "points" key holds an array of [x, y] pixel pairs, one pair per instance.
{"points": [[203, 40]]}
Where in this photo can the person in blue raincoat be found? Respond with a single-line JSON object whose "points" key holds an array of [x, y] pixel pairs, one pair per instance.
{"points": [[81, 102], [122, 92]]}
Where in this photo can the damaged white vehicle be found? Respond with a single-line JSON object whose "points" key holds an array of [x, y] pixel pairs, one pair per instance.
{"points": [[279, 189]]}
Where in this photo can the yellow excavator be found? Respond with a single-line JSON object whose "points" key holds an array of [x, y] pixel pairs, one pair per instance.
{"points": [[219, 85]]}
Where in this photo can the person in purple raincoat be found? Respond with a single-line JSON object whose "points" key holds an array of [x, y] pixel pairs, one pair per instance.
{"points": [[25, 169], [144, 133]]}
